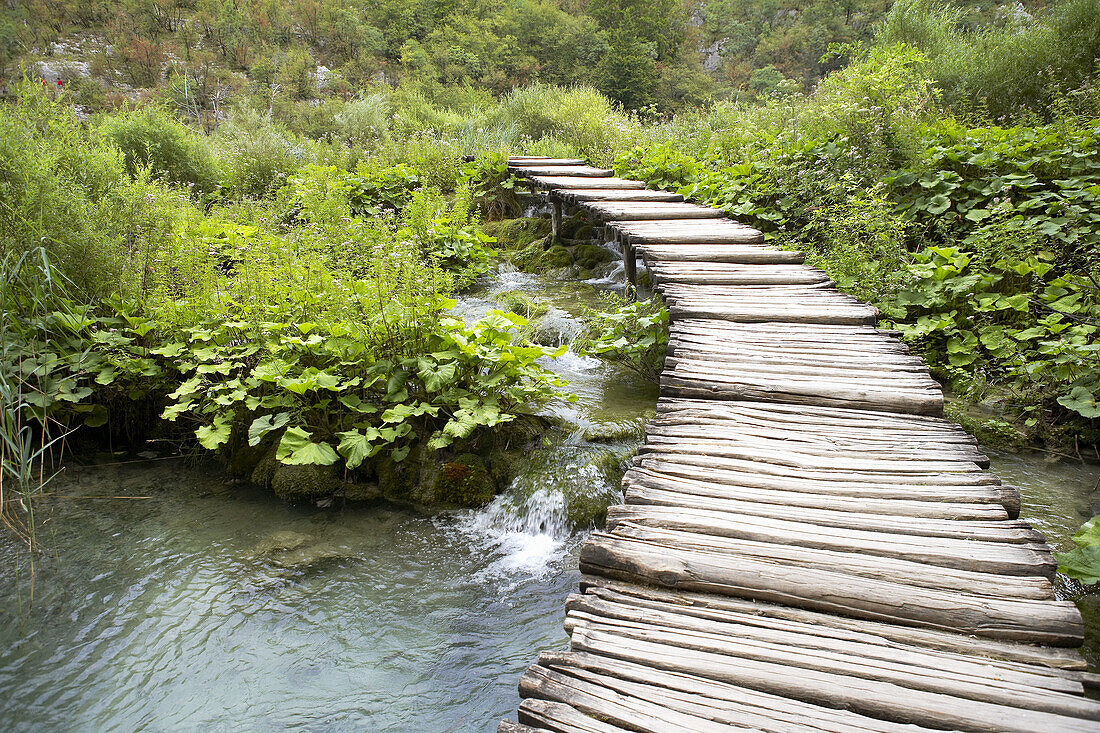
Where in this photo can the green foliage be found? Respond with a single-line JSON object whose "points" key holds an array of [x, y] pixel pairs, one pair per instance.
{"points": [[150, 138], [580, 118], [371, 188], [1083, 561], [1025, 66], [496, 192], [632, 334], [1015, 322]]}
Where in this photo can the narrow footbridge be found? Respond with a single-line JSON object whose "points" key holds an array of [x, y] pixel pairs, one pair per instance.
{"points": [[806, 544]]}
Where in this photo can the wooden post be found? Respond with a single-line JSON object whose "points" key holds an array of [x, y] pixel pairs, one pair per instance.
{"points": [[555, 219], [630, 266]]}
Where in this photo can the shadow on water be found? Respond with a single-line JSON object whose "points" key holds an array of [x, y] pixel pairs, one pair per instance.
{"points": [[214, 607]]}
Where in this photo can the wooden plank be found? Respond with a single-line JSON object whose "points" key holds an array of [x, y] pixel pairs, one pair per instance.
{"points": [[694, 383], [731, 550], [582, 171], [643, 210], [646, 488], [802, 530], [869, 697], [851, 654], [647, 483], [544, 160], [580, 195], [561, 718], [1056, 623], [782, 710], [729, 274], [747, 254], [507, 726], [567, 182], [1051, 658], [603, 703]]}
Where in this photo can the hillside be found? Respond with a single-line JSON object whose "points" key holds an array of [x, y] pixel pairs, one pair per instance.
{"points": [[298, 58]]}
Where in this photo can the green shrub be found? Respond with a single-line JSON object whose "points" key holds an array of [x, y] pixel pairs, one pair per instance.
{"points": [[364, 121], [151, 138], [260, 154], [633, 335]]}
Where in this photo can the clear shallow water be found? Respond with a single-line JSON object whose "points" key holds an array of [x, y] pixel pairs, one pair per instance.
{"points": [[1057, 497], [213, 607]]}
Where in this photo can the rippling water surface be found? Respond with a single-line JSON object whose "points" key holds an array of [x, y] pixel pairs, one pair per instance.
{"points": [[213, 607]]}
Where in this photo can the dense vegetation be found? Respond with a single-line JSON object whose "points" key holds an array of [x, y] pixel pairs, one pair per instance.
{"points": [[249, 258], [302, 60]]}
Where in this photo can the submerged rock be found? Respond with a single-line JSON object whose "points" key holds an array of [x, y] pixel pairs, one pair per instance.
{"points": [[296, 552]]}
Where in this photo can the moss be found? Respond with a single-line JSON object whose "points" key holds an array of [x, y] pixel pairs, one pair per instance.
{"points": [[521, 303], [570, 225], [265, 469], [358, 491], [516, 234], [585, 233], [990, 431], [465, 481], [588, 510], [557, 256], [591, 256], [304, 482]]}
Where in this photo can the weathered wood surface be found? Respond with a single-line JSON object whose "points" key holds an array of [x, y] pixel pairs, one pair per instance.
{"points": [[553, 182], [643, 210], [577, 196], [805, 544]]}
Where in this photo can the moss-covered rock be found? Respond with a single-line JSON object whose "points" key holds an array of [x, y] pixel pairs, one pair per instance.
{"points": [[304, 482], [265, 469], [360, 491], [514, 234], [521, 303], [465, 481], [555, 257], [570, 225], [591, 256]]}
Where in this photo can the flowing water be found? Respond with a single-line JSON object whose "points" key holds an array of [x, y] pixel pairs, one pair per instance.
{"points": [[209, 606]]}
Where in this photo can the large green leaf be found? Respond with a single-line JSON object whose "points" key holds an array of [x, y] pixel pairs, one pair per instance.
{"points": [[296, 449], [212, 436], [355, 448], [261, 426], [1082, 401], [1082, 563]]}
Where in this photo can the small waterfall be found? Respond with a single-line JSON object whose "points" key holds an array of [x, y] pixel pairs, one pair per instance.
{"points": [[527, 533]]}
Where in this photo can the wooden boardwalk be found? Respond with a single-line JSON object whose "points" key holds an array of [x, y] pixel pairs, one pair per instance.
{"points": [[806, 544]]}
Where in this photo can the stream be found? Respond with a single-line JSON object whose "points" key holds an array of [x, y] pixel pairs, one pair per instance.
{"points": [[204, 605]]}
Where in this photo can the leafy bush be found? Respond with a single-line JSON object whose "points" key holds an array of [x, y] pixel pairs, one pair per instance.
{"points": [[261, 155], [1015, 323], [150, 138], [633, 335], [364, 121], [1022, 68], [579, 118]]}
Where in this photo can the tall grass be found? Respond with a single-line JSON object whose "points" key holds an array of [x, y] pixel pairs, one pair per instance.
{"points": [[31, 442]]}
